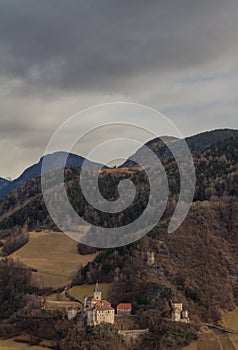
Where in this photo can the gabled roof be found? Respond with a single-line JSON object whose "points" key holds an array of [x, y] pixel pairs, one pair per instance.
{"points": [[104, 307], [124, 306]]}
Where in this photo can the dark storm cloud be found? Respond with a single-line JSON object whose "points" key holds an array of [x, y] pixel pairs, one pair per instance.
{"points": [[60, 56], [97, 44]]}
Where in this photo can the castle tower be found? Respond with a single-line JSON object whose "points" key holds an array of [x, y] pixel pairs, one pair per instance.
{"points": [[97, 292], [150, 258], [85, 304]]}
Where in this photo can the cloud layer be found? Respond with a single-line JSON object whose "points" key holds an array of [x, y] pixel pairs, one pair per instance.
{"points": [[57, 57]]}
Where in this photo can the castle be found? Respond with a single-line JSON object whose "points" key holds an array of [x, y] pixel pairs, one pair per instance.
{"points": [[178, 314], [96, 310]]}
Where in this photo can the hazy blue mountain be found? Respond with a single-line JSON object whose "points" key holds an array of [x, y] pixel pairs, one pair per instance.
{"points": [[4, 183], [35, 170]]}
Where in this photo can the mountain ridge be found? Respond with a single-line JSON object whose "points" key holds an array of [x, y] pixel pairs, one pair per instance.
{"points": [[216, 169], [4, 183], [195, 143], [35, 170]]}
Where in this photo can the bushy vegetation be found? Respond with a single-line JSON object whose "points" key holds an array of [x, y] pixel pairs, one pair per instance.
{"points": [[167, 335], [15, 284], [100, 338], [84, 249], [14, 242]]}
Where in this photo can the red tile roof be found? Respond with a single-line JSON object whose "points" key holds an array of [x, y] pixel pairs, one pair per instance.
{"points": [[104, 308], [103, 305], [124, 306]]}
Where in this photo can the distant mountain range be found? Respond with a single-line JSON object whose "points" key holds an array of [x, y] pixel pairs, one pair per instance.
{"points": [[215, 158], [196, 143], [33, 171]]}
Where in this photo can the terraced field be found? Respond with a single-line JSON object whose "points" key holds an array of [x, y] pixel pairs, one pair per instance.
{"points": [[213, 340]]}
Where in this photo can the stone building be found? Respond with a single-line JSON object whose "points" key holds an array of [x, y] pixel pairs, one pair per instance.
{"points": [[124, 309], [98, 311], [72, 312], [150, 258], [178, 314]]}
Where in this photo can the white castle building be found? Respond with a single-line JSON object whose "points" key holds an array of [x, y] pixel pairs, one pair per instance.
{"points": [[98, 311]]}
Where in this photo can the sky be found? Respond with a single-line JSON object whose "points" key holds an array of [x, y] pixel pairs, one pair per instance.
{"points": [[58, 57]]}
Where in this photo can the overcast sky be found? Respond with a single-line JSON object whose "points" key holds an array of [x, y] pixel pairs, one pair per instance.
{"points": [[60, 56]]}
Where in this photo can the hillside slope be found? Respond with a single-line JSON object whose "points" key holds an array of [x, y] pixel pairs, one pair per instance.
{"points": [[196, 265], [196, 143], [53, 256], [216, 170]]}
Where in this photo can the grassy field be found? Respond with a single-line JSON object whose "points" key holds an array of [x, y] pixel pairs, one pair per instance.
{"points": [[59, 301], [218, 341], [10, 344], [208, 341], [55, 257], [120, 170], [61, 305], [230, 321], [87, 289], [227, 341]]}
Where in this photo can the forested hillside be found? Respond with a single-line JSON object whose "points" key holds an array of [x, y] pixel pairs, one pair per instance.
{"points": [[217, 177], [195, 265]]}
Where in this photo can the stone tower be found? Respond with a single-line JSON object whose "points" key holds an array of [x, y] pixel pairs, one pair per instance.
{"points": [[150, 258], [97, 292]]}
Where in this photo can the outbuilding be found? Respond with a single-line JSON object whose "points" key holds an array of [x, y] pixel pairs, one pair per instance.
{"points": [[124, 309]]}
